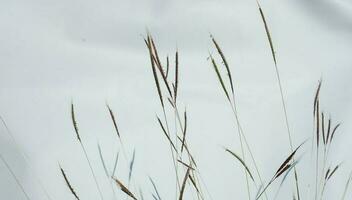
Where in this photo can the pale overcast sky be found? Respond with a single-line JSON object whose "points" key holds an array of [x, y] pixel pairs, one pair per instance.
{"points": [[92, 52]]}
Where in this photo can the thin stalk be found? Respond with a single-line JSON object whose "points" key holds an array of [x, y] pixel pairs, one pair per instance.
{"points": [[232, 103], [203, 182], [92, 171], [112, 188], [106, 170], [155, 63], [198, 190], [127, 161], [266, 187], [281, 89], [241, 134], [242, 152], [188, 153], [346, 187], [176, 141], [216, 68], [317, 150], [287, 124], [75, 126], [113, 118], [234, 110], [322, 178], [15, 177], [316, 173], [172, 152]]}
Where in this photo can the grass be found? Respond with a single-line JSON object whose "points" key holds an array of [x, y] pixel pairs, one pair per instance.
{"points": [[186, 171], [281, 92]]}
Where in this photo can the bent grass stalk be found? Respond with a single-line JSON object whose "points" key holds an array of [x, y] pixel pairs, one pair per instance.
{"points": [[114, 121], [73, 192], [190, 157], [106, 170], [239, 133], [234, 109], [155, 188], [173, 101], [74, 122], [151, 47], [281, 90], [184, 184]]}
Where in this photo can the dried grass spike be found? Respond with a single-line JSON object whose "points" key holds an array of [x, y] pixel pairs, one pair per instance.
{"points": [[334, 131], [115, 164], [316, 96], [69, 184], [156, 80], [74, 122], [176, 76], [183, 186], [219, 77], [124, 188], [155, 188], [267, 33], [323, 127], [318, 123], [113, 120], [131, 165], [184, 131], [333, 171], [224, 61], [186, 165], [329, 131], [287, 160], [167, 66], [159, 66], [166, 134], [241, 161], [102, 161]]}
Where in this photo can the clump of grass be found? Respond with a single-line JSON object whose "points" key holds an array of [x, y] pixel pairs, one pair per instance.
{"points": [[187, 172], [179, 152], [184, 162], [321, 132], [324, 138]]}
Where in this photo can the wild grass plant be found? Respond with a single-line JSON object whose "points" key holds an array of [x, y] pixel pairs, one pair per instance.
{"points": [[173, 129]]}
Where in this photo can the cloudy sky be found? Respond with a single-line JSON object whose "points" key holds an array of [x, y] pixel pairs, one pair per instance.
{"points": [[92, 52]]}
